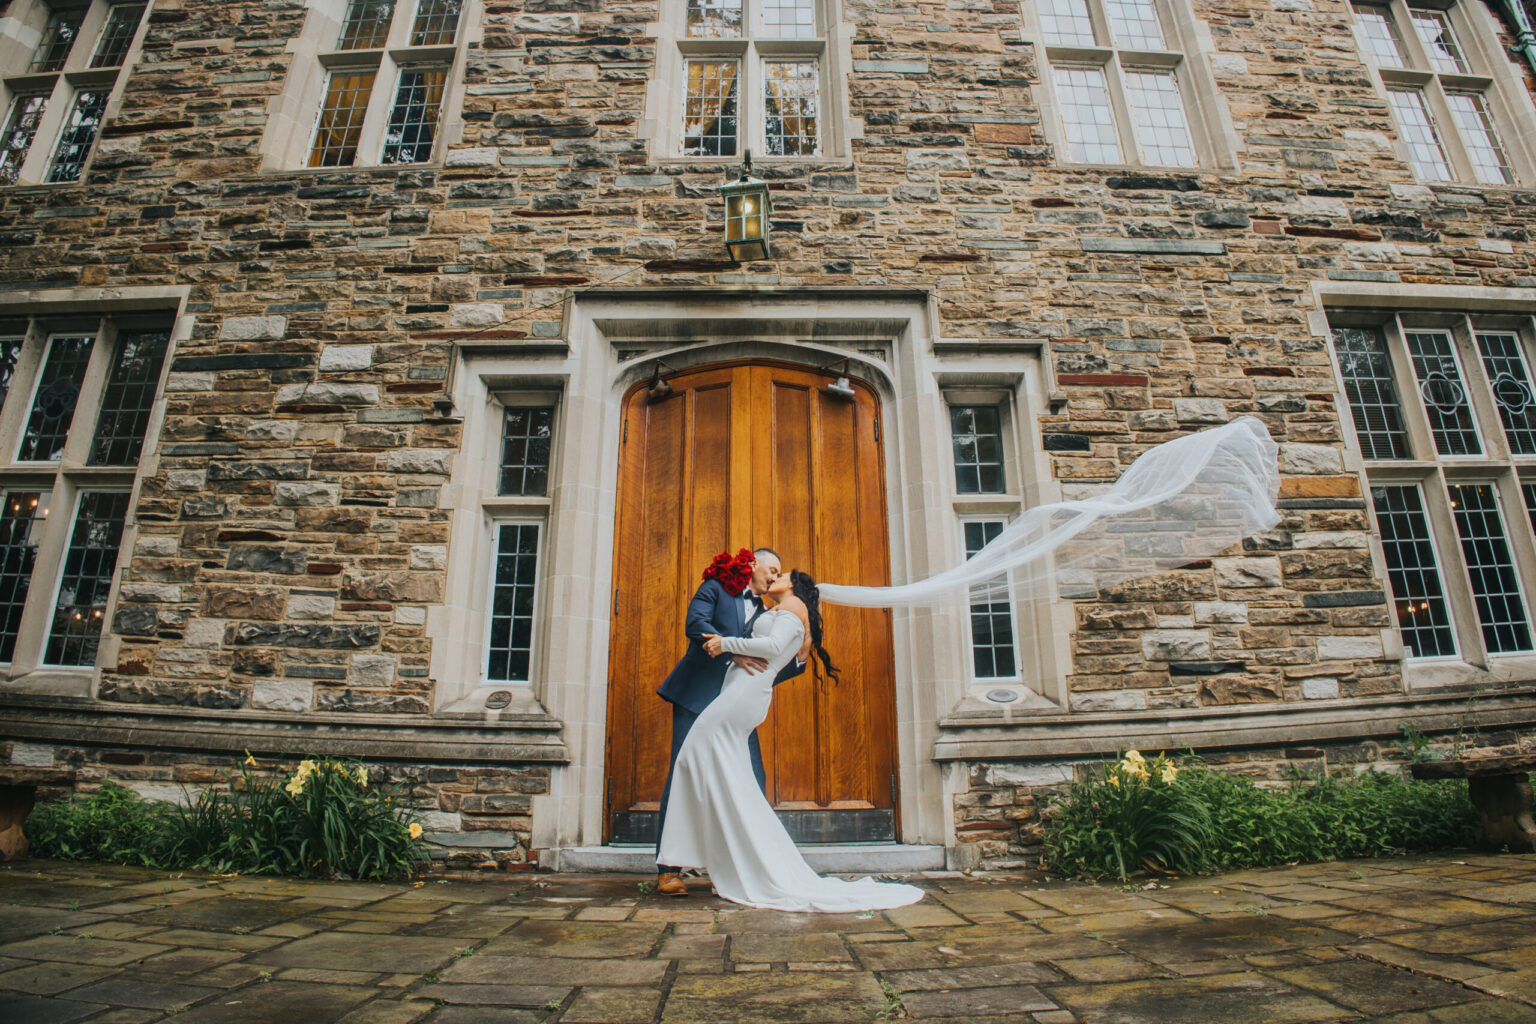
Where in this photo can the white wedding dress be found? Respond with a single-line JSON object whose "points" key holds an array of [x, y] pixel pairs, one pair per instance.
{"points": [[717, 818]]}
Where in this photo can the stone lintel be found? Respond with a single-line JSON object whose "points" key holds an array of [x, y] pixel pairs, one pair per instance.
{"points": [[1179, 246], [531, 739], [1101, 734]]}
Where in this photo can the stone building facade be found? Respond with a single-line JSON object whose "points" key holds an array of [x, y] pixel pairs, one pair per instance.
{"points": [[267, 375]]}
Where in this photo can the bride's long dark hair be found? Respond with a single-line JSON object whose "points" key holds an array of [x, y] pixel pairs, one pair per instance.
{"points": [[805, 589]]}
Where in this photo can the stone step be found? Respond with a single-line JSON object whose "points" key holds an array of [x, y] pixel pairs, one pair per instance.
{"points": [[872, 858]]}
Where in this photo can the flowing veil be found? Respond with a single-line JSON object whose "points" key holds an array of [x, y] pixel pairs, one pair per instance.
{"points": [[1180, 502]]}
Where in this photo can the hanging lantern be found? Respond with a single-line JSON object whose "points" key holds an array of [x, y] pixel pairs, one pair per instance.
{"points": [[746, 216]]}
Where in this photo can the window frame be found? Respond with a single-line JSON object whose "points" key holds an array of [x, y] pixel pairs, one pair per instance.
{"points": [[64, 87], [1497, 465], [296, 114], [1006, 580], [1488, 74], [1184, 58], [667, 94], [64, 481], [499, 510]]}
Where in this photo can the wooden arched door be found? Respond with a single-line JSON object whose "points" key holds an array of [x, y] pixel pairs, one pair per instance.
{"points": [[755, 455]]}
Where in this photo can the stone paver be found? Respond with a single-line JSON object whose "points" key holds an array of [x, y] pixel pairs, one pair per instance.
{"points": [[1423, 940]]}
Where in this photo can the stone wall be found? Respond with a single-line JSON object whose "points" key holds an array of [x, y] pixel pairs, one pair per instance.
{"points": [[477, 817]]}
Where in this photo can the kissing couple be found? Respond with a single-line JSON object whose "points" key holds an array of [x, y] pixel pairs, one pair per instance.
{"points": [[750, 626]]}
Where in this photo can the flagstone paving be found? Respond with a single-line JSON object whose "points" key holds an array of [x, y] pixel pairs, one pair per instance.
{"points": [[1449, 939]]}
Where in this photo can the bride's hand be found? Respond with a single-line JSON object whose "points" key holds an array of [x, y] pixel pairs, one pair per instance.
{"points": [[712, 646]]}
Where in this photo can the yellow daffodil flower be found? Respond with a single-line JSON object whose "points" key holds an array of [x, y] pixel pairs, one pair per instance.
{"points": [[250, 762], [362, 775], [1170, 773], [415, 830], [295, 785]]}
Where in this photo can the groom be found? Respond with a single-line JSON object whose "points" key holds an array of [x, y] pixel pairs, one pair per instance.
{"points": [[697, 679]]}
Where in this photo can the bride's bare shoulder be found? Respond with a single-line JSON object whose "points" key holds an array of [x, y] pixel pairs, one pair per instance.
{"points": [[794, 605]]}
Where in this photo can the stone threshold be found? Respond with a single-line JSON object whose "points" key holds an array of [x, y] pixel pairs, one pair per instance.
{"points": [[1100, 734], [524, 739], [871, 858]]}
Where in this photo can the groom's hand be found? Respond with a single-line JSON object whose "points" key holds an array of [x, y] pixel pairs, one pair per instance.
{"points": [[751, 664]]}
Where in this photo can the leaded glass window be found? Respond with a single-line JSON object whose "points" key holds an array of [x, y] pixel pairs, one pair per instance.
{"points": [[1372, 392], [525, 447], [1495, 586], [437, 22], [512, 603], [367, 24], [22, 517], [1413, 572], [79, 134], [129, 397], [791, 90], [122, 23], [976, 432], [709, 111], [89, 562], [1509, 378], [1087, 118], [714, 19], [1444, 392], [992, 640], [20, 130], [58, 39], [341, 119], [413, 119], [53, 401]]}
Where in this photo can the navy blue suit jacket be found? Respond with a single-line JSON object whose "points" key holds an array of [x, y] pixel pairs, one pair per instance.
{"points": [[697, 678]]}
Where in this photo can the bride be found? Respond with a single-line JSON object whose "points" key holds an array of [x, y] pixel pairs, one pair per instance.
{"points": [[719, 819]]}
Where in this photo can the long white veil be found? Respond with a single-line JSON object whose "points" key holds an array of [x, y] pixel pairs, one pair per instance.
{"points": [[1180, 502]]}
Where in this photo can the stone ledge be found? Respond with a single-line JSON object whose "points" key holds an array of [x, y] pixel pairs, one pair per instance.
{"points": [[1158, 246], [1093, 735], [530, 739]]}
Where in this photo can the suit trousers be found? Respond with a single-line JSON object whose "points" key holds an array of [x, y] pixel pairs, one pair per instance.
{"points": [[682, 721]]}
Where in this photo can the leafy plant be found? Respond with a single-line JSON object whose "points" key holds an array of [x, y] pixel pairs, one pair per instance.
{"points": [[1200, 819], [1414, 744], [1130, 816], [325, 820]]}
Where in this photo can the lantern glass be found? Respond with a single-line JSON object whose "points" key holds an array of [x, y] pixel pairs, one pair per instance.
{"points": [[746, 219]]}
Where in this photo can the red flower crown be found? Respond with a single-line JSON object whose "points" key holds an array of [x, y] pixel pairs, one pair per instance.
{"points": [[733, 573]]}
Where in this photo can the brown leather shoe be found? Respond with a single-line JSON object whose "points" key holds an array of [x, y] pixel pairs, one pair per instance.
{"points": [[670, 883]]}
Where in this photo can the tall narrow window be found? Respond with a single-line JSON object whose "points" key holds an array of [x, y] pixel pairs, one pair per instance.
{"points": [[1510, 380], [413, 119], [1420, 134], [58, 39], [367, 25], [1087, 119], [1438, 87], [1413, 572], [437, 22], [992, 641], [1495, 587], [792, 89], [1444, 392], [341, 119], [79, 134], [512, 603], [129, 397], [1162, 133], [978, 443], [122, 23], [53, 403], [1372, 392], [20, 129], [525, 443], [709, 117], [87, 577], [714, 19], [22, 517]]}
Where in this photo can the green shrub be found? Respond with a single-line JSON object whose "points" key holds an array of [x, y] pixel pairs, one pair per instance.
{"points": [[113, 825], [325, 820], [1199, 819]]}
